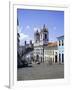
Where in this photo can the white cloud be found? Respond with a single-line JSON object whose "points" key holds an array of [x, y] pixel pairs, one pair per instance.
{"points": [[29, 38], [23, 36], [27, 27]]}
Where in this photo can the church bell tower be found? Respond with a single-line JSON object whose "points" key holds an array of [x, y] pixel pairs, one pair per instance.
{"points": [[44, 36]]}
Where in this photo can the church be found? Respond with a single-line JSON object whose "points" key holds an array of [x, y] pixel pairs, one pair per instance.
{"points": [[40, 41]]}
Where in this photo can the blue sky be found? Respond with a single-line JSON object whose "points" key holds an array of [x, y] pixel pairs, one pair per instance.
{"points": [[31, 20]]}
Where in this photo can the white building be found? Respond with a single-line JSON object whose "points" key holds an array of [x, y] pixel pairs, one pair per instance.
{"points": [[49, 51], [41, 40]]}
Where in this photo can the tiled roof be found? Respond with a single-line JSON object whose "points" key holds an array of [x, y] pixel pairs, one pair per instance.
{"points": [[51, 44]]}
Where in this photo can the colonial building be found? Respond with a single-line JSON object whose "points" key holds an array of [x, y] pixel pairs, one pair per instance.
{"points": [[49, 51], [59, 53], [60, 49]]}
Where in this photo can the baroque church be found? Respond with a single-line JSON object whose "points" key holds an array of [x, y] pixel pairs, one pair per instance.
{"points": [[41, 40]]}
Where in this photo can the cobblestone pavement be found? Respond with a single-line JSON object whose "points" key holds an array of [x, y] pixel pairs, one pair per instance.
{"points": [[41, 71]]}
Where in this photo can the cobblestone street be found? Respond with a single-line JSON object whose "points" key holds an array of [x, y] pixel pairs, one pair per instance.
{"points": [[42, 71]]}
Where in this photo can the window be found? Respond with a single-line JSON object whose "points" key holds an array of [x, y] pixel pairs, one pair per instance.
{"points": [[59, 57], [59, 43], [56, 53], [45, 36], [62, 43]]}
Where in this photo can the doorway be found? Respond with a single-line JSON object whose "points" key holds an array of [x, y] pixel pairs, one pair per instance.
{"points": [[37, 58], [59, 58], [55, 58], [62, 58]]}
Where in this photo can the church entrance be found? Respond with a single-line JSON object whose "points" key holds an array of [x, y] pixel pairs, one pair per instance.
{"points": [[37, 58]]}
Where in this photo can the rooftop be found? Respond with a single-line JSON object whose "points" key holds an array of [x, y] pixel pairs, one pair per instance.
{"points": [[60, 36], [51, 44]]}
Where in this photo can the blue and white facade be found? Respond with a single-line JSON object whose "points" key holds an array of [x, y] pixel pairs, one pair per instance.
{"points": [[59, 54]]}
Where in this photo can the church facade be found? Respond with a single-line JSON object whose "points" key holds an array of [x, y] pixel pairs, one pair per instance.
{"points": [[40, 41]]}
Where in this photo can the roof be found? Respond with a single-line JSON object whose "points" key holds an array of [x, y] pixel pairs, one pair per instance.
{"points": [[51, 44], [60, 36]]}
